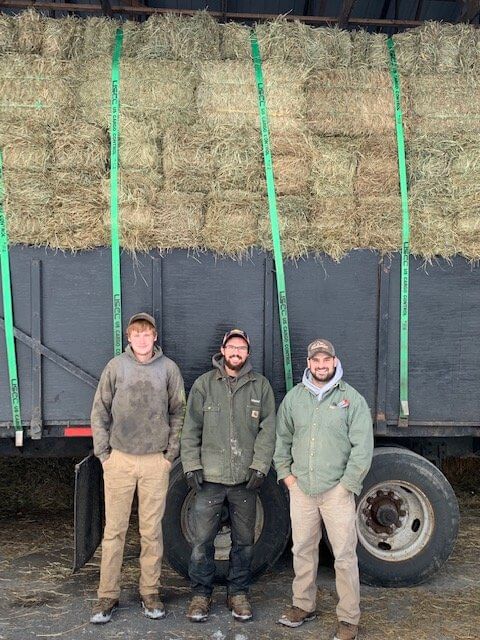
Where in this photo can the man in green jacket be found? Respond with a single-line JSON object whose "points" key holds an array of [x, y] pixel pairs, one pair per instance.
{"points": [[227, 446], [323, 452]]}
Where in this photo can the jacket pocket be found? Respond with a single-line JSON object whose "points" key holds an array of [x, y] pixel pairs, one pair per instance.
{"points": [[253, 416], [213, 461], [211, 413]]}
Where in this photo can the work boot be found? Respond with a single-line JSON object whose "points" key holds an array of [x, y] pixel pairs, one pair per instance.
{"points": [[346, 631], [102, 610], [199, 608], [294, 616], [240, 607], [152, 606]]}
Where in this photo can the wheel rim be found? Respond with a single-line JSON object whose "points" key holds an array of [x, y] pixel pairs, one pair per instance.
{"points": [[223, 539], [395, 520]]}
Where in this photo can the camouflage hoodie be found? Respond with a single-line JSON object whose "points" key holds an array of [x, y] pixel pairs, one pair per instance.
{"points": [[138, 406]]}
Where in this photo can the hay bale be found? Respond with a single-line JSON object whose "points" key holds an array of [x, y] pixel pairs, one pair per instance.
{"points": [[407, 50], [8, 34], [330, 48], [227, 95], [25, 145], [28, 196], [432, 228], [377, 170], [140, 145], [98, 39], [446, 48], [187, 39], [188, 162], [135, 187], [333, 227], [30, 32], [467, 227], [369, 51], [292, 175], [231, 222], [379, 223], [445, 103], [62, 38], [35, 88], [235, 41], [334, 167], [350, 103], [179, 219], [294, 224], [77, 211], [167, 101], [282, 41], [79, 146]]}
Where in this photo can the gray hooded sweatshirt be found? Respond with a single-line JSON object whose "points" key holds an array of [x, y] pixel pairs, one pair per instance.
{"points": [[138, 406]]}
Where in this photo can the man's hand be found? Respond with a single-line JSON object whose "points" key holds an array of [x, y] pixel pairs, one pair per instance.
{"points": [[169, 464], [255, 479], [290, 481], [194, 479]]}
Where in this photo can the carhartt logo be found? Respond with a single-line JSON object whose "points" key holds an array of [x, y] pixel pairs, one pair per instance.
{"points": [[255, 413]]}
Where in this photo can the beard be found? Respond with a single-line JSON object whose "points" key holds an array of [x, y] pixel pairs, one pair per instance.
{"points": [[325, 378], [234, 366]]}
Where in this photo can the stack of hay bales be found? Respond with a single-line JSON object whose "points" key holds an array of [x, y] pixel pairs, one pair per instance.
{"points": [[191, 160], [440, 64]]}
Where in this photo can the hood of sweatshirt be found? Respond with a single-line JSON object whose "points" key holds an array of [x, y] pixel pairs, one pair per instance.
{"points": [[321, 391], [218, 362], [157, 353]]}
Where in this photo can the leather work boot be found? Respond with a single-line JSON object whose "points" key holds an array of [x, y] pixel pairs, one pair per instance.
{"points": [[199, 608], [102, 610], [294, 616], [346, 631], [152, 606], [240, 607]]}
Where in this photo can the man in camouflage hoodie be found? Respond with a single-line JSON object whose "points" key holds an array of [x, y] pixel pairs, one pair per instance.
{"points": [[227, 447], [137, 416]]}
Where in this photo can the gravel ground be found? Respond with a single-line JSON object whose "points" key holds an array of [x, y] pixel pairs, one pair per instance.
{"points": [[40, 598]]}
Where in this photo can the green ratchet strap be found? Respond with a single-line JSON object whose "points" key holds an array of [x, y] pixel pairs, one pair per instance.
{"points": [[272, 206], [8, 316], [405, 273], [114, 223]]}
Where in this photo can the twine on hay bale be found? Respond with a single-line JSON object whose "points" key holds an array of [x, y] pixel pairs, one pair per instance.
{"points": [[350, 103], [333, 226], [25, 145], [79, 146], [227, 95], [166, 101], [35, 88]]}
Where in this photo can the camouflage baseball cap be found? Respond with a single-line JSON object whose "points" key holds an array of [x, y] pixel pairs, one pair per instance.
{"points": [[236, 333], [320, 345]]}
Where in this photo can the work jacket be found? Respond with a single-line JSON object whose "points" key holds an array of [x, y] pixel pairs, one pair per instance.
{"points": [[229, 425], [324, 442]]}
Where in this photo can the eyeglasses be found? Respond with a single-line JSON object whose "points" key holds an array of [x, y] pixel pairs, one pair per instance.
{"points": [[231, 347]]}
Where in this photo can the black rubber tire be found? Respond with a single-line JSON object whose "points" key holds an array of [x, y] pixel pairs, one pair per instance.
{"points": [[268, 548], [394, 463]]}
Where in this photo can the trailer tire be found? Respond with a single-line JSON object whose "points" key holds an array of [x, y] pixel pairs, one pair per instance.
{"points": [[272, 527], [404, 482]]}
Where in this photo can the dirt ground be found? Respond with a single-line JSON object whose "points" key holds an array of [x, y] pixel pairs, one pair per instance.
{"points": [[40, 598]]}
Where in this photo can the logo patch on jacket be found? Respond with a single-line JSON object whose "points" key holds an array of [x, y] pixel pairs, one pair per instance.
{"points": [[255, 413], [343, 404]]}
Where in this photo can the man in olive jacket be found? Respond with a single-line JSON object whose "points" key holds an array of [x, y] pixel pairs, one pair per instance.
{"points": [[227, 446], [323, 452]]}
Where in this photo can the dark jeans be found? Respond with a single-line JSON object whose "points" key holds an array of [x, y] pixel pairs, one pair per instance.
{"points": [[207, 512]]}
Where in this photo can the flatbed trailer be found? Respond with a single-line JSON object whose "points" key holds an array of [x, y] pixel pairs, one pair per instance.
{"points": [[407, 515]]}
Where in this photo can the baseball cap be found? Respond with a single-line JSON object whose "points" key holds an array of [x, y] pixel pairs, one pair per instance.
{"points": [[320, 345], [235, 333], [143, 316]]}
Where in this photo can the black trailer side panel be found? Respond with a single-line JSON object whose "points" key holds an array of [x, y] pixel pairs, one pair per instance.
{"points": [[444, 359]]}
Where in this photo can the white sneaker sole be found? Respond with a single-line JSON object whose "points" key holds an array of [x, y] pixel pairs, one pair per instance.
{"points": [[241, 618], [153, 614], [293, 625], [199, 618], [100, 618]]}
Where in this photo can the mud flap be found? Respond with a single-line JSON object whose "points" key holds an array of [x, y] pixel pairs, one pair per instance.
{"points": [[89, 510]]}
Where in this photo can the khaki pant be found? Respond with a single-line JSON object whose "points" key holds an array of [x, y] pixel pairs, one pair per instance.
{"points": [[336, 507], [122, 474]]}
